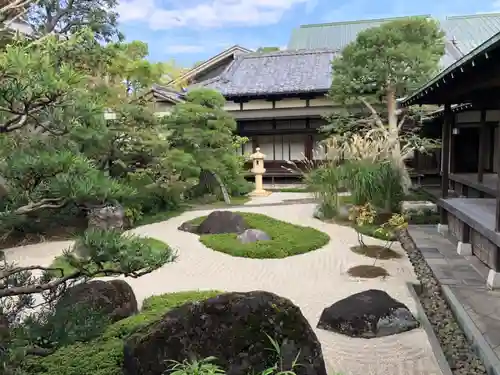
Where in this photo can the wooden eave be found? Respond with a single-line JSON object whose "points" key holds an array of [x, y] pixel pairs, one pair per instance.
{"points": [[462, 80]]}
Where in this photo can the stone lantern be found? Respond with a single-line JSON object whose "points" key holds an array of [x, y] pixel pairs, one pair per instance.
{"points": [[258, 170]]}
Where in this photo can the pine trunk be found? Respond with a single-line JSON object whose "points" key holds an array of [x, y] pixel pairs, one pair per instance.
{"points": [[394, 139]]}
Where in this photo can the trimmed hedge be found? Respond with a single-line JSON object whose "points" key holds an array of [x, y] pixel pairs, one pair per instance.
{"points": [[104, 356], [286, 239]]}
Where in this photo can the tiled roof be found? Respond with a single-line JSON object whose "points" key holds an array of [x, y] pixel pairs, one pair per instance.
{"points": [[463, 34], [470, 59], [281, 72], [166, 93]]}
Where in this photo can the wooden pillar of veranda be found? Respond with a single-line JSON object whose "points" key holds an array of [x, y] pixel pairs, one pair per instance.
{"points": [[483, 140], [445, 163], [497, 161]]}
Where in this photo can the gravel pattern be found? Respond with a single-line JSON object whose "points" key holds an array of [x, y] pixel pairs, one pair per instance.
{"points": [[456, 348], [312, 280]]}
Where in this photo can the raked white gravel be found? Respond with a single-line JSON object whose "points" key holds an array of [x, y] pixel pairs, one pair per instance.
{"points": [[312, 281]]}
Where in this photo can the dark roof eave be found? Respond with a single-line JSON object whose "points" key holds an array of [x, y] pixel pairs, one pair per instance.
{"points": [[276, 95]]}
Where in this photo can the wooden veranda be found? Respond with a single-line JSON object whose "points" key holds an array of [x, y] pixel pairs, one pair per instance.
{"points": [[470, 159]]}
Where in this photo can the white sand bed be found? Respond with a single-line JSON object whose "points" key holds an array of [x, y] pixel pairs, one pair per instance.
{"points": [[313, 281]]}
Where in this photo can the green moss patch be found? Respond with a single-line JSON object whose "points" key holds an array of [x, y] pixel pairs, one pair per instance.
{"points": [[61, 262], [104, 356], [286, 239], [367, 272], [152, 310], [376, 252]]}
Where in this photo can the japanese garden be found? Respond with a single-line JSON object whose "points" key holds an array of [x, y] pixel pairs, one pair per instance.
{"points": [[135, 237]]}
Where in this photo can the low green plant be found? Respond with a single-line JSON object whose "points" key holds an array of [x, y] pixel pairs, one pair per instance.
{"points": [[195, 367], [111, 249], [325, 182], [377, 183], [365, 214], [286, 239], [104, 355], [152, 309], [207, 366]]}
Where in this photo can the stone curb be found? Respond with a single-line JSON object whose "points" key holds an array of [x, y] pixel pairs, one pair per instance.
{"points": [[476, 339], [426, 325]]}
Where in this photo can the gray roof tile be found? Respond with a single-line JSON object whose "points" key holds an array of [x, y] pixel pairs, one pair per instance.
{"points": [[463, 34], [281, 72]]}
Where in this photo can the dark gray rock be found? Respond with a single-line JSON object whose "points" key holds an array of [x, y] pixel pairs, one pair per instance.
{"points": [[318, 213], [188, 227], [400, 320], [369, 314], [253, 235], [111, 217], [235, 329], [219, 222], [114, 298]]}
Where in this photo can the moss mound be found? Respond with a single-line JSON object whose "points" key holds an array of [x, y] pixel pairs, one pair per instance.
{"points": [[286, 239], [104, 356], [376, 252], [367, 272]]}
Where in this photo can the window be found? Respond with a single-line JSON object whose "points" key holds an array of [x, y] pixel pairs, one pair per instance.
{"points": [[247, 149], [266, 146], [296, 146]]}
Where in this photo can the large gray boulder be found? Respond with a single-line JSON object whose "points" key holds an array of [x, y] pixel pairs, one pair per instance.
{"points": [[111, 217], [235, 329], [219, 222], [369, 314], [253, 235], [114, 299]]}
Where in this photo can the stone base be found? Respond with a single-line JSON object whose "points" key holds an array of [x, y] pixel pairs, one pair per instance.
{"points": [[442, 229], [260, 193], [464, 249], [493, 280]]}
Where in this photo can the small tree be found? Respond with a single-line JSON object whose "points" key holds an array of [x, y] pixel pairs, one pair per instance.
{"points": [[70, 17], [382, 64]]}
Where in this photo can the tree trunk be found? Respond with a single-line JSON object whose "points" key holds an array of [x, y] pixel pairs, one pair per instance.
{"points": [[394, 139], [223, 189]]}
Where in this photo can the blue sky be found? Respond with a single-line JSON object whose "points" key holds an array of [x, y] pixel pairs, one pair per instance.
{"points": [[194, 30]]}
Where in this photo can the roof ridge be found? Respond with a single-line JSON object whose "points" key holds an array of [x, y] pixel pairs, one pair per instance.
{"points": [[475, 15], [287, 52], [353, 22]]}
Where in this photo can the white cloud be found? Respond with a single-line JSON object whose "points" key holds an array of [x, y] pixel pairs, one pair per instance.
{"points": [[135, 10], [209, 13]]}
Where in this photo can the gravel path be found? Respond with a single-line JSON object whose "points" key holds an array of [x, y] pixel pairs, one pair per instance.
{"points": [[312, 281]]}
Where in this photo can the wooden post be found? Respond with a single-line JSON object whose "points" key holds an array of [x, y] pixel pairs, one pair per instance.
{"points": [[445, 139], [483, 139], [445, 165], [497, 221]]}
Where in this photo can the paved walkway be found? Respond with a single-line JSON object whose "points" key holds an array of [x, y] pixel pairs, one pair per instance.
{"points": [[466, 278], [313, 281]]}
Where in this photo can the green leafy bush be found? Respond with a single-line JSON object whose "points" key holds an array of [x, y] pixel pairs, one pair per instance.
{"points": [[377, 183], [97, 250], [98, 357], [286, 239], [104, 355]]}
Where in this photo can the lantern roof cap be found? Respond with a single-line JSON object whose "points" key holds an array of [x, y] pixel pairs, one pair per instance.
{"points": [[257, 154]]}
